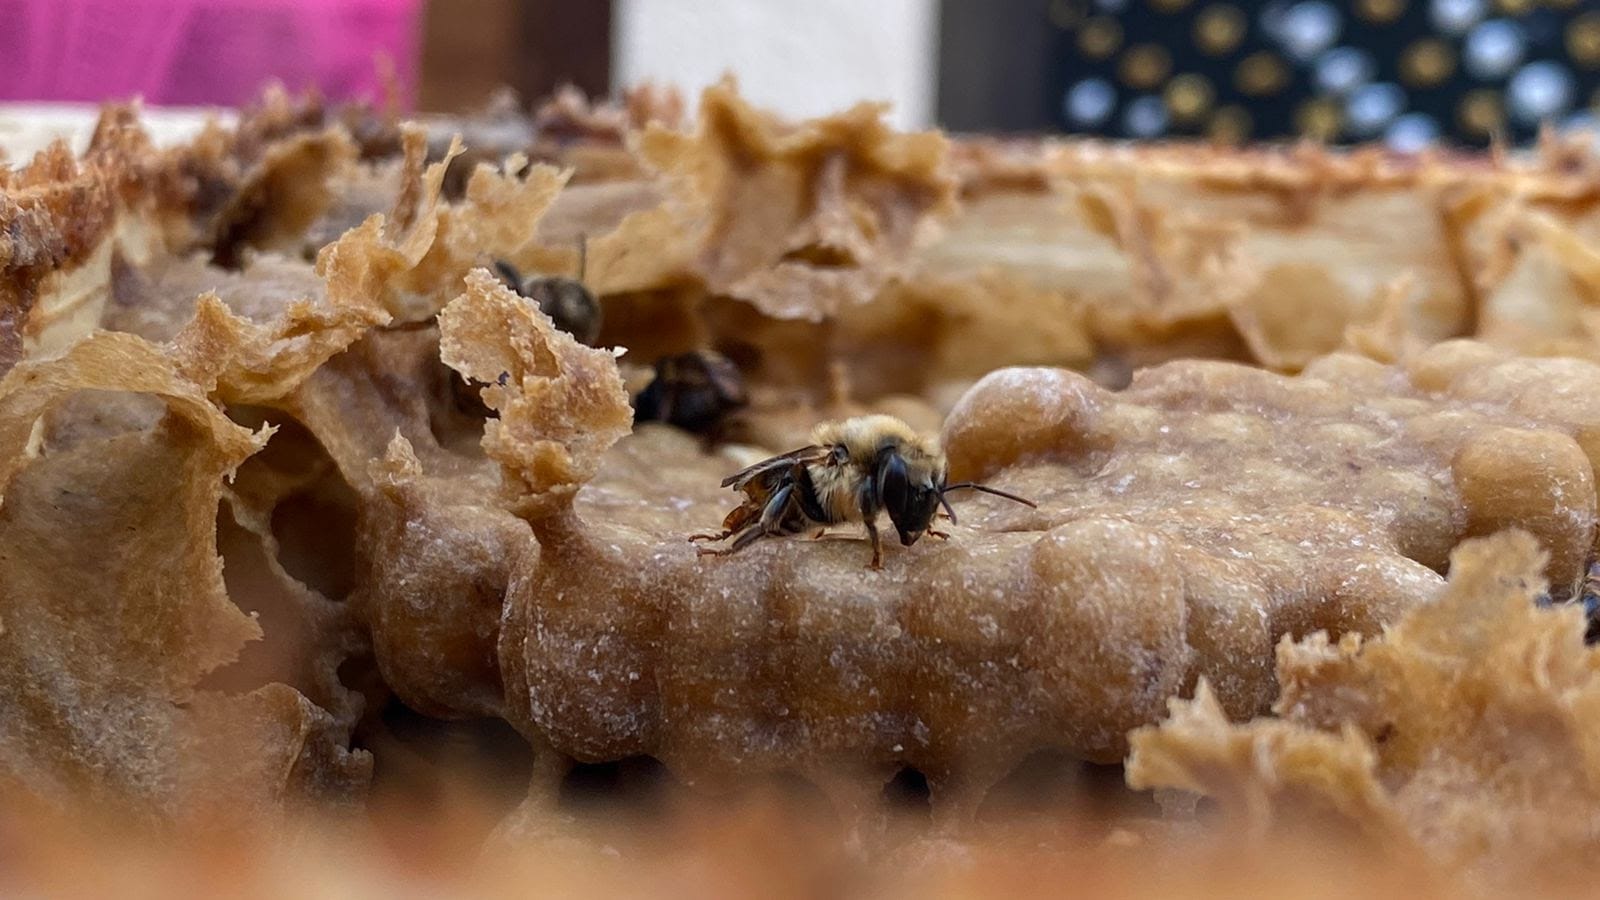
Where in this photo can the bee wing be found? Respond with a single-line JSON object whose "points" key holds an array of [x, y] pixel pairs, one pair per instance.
{"points": [[774, 467]]}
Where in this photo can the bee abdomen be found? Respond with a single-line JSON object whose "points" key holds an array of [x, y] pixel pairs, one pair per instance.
{"points": [[693, 391], [692, 410]]}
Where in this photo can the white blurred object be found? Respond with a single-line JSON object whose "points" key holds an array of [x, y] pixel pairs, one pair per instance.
{"points": [[800, 59], [1145, 117], [1456, 16], [1494, 48], [1374, 106], [1539, 91], [1089, 103], [1309, 28], [27, 128], [1343, 69], [1412, 133]]}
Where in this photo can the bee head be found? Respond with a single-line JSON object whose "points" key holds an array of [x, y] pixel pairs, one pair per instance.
{"points": [[909, 491], [569, 305]]}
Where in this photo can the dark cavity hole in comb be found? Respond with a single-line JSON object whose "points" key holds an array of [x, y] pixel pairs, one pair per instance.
{"points": [[637, 784], [1052, 782], [821, 256], [315, 530], [1044, 781], [436, 783], [486, 755], [908, 793], [360, 673], [315, 523]]}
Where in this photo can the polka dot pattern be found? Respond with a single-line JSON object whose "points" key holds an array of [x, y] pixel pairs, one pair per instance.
{"points": [[1410, 73]]}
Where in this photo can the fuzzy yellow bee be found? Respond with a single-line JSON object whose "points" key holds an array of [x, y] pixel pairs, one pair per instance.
{"points": [[851, 471]]}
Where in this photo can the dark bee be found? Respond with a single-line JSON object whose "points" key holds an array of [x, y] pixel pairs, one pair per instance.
{"points": [[692, 391], [568, 303], [1589, 596], [852, 471]]}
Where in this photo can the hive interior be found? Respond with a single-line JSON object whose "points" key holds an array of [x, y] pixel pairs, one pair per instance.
{"points": [[308, 518]]}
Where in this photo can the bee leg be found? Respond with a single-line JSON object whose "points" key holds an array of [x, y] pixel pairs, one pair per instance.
{"points": [[819, 534], [771, 515], [711, 537], [877, 547], [938, 534], [746, 538]]}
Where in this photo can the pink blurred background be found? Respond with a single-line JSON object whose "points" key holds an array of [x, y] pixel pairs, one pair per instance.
{"points": [[205, 52]]}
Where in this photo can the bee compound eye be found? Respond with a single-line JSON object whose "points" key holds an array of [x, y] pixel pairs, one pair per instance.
{"points": [[894, 489]]}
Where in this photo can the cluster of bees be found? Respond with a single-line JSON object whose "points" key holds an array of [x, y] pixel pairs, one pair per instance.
{"points": [[694, 391], [850, 473]]}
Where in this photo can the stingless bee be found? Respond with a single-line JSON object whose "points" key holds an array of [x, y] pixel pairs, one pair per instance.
{"points": [[851, 471], [692, 391], [569, 304], [1589, 596], [1587, 593], [567, 301]]}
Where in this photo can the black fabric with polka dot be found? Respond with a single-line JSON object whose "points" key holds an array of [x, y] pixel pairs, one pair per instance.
{"points": [[1405, 72]]}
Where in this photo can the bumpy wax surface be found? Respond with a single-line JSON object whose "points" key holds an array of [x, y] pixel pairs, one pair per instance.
{"points": [[1463, 735], [1184, 526], [320, 466]]}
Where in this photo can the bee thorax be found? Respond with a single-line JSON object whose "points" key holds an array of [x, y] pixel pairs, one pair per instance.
{"points": [[838, 491]]}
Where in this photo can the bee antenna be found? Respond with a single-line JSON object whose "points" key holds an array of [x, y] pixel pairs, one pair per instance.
{"points": [[509, 274], [949, 510], [974, 486], [583, 254]]}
